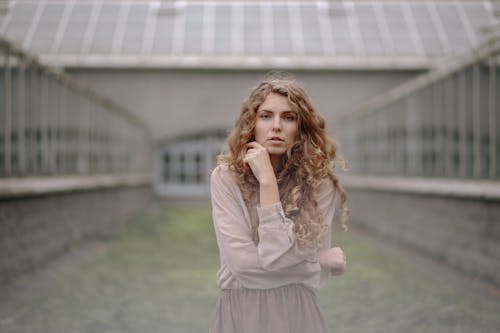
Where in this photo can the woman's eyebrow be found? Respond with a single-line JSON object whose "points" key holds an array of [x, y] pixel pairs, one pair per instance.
{"points": [[284, 111]]}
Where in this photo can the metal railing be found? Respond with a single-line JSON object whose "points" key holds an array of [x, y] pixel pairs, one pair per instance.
{"points": [[52, 125], [442, 124]]}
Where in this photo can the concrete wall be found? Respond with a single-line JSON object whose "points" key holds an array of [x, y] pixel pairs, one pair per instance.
{"points": [[463, 233], [182, 101], [34, 230]]}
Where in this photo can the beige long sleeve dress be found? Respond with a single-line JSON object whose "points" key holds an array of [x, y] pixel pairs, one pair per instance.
{"points": [[269, 286]]}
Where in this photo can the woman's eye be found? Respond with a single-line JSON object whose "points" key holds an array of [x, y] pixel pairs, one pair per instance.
{"points": [[265, 116], [290, 118]]}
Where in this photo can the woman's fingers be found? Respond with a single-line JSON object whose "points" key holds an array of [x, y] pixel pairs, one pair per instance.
{"points": [[334, 259], [252, 149], [257, 158]]}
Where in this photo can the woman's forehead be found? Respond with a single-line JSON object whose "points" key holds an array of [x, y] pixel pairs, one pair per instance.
{"points": [[276, 102]]}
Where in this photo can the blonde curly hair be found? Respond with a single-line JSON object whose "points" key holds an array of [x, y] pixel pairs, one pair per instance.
{"points": [[304, 167]]}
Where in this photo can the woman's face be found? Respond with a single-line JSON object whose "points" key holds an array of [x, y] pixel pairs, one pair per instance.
{"points": [[276, 125]]}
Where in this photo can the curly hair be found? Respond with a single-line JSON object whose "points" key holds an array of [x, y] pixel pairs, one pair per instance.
{"points": [[304, 167]]}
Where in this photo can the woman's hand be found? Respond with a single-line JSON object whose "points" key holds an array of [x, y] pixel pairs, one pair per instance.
{"points": [[259, 161], [257, 158], [333, 259]]}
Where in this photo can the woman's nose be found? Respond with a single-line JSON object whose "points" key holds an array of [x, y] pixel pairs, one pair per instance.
{"points": [[276, 124]]}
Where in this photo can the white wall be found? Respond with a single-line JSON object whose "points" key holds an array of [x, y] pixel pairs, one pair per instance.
{"points": [[175, 102]]}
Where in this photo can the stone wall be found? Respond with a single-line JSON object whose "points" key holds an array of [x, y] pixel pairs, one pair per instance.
{"points": [[463, 233], [35, 229]]}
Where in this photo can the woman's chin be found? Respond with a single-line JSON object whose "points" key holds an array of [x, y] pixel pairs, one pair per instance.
{"points": [[276, 151]]}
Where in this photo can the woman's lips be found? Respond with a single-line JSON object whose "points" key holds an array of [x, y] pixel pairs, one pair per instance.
{"points": [[276, 138]]}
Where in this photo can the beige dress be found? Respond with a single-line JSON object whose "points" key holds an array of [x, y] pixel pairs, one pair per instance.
{"points": [[270, 286]]}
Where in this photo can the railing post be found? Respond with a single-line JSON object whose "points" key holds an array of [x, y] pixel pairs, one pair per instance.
{"points": [[8, 116], [492, 117], [21, 118], [476, 120]]}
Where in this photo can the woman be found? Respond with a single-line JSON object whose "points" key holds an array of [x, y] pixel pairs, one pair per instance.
{"points": [[273, 200]]}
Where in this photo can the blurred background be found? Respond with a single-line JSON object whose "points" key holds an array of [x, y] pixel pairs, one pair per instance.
{"points": [[112, 113]]}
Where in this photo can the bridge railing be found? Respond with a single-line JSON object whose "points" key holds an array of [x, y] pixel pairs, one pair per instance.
{"points": [[444, 123], [52, 125]]}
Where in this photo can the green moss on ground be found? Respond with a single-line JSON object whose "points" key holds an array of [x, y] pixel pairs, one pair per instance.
{"points": [[158, 275]]}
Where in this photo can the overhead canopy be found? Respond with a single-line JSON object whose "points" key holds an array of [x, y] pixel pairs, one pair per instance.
{"points": [[246, 34]]}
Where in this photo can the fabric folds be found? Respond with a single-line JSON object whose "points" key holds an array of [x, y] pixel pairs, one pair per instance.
{"points": [[291, 309]]}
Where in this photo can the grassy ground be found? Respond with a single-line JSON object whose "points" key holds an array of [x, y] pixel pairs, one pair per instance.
{"points": [[158, 275]]}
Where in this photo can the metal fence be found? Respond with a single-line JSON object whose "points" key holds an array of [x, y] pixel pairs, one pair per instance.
{"points": [[51, 125], [442, 124]]}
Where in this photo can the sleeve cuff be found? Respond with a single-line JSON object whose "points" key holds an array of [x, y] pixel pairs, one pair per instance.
{"points": [[271, 213]]}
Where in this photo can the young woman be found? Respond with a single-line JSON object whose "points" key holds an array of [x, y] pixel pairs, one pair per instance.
{"points": [[273, 199]]}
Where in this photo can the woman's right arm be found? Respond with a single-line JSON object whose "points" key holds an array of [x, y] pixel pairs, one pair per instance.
{"points": [[234, 237]]}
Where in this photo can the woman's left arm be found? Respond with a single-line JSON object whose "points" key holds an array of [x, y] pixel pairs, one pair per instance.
{"points": [[277, 243]]}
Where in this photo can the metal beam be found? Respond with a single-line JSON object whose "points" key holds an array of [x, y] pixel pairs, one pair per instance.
{"points": [[241, 62]]}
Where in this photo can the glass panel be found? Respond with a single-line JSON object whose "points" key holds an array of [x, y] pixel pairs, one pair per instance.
{"points": [[15, 110], [478, 18], [282, 32], [370, 32], [438, 123], [467, 118], [3, 100], [484, 129], [311, 30], [194, 29], [28, 120], [105, 29], [134, 29], [452, 131], [166, 167], [342, 38], [52, 124], [426, 131], [453, 27], [163, 34], [223, 29], [252, 30], [400, 137], [76, 29], [32, 108], [427, 30], [46, 30], [200, 172], [414, 134], [22, 16], [70, 147], [398, 28], [497, 119]]}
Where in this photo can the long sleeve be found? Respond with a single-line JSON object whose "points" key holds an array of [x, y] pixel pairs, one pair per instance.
{"points": [[276, 260], [278, 247]]}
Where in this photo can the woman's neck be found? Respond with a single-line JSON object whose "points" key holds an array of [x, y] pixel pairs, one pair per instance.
{"points": [[277, 162]]}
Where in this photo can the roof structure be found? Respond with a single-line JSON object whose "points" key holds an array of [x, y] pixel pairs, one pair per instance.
{"points": [[246, 34]]}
